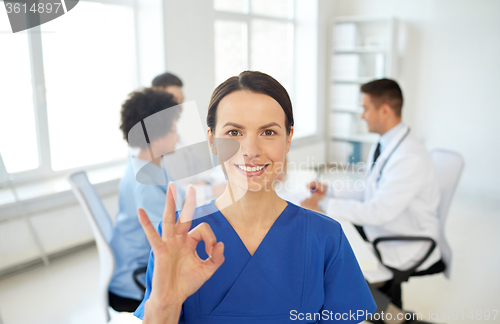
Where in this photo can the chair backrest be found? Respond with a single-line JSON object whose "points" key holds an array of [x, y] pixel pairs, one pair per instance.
{"points": [[102, 228], [449, 166]]}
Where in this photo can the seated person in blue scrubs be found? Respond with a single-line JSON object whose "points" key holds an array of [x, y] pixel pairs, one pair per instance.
{"points": [[250, 256], [129, 243]]}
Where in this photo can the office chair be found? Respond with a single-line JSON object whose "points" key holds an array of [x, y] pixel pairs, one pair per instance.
{"points": [[448, 166], [102, 228]]}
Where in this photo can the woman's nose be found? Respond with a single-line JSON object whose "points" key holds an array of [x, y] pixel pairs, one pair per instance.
{"points": [[250, 147]]}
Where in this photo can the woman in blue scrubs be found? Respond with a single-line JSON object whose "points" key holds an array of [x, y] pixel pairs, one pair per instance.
{"points": [[250, 256]]}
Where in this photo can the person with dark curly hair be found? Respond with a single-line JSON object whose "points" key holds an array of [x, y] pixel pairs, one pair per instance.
{"points": [[158, 112]]}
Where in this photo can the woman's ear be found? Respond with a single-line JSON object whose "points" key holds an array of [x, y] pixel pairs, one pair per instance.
{"points": [[289, 140], [211, 141]]}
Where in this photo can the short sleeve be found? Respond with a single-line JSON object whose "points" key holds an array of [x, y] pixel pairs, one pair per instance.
{"points": [[347, 296], [152, 200], [139, 312]]}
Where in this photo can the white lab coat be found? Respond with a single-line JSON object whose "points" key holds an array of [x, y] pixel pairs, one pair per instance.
{"points": [[403, 200]]}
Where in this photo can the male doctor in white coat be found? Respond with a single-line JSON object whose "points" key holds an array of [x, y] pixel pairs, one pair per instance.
{"points": [[401, 193]]}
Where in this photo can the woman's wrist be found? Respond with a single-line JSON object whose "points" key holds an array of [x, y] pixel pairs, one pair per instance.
{"points": [[161, 313], [165, 305]]}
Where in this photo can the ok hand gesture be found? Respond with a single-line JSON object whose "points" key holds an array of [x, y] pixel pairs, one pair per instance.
{"points": [[178, 270]]}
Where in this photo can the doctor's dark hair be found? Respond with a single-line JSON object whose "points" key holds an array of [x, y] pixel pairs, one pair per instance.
{"points": [[166, 79], [252, 81], [142, 104], [385, 91]]}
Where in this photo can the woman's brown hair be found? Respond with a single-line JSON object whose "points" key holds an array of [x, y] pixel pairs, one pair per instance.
{"points": [[252, 81]]}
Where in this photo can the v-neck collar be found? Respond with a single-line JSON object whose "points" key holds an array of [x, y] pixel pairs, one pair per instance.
{"points": [[275, 224]]}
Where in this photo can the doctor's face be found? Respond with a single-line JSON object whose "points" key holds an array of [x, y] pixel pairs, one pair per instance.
{"points": [[257, 122], [175, 91], [371, 114]]}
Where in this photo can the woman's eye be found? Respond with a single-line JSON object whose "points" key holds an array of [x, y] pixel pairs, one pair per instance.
{"points": [[269, 132], [233, 132]]}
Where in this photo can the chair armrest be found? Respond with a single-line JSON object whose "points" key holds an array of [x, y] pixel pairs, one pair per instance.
{"points": [[403, 275], [136, 274]]}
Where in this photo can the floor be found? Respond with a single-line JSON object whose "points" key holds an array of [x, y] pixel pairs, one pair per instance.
{"points": [[473, 293], [65, 292], [62, 293]]}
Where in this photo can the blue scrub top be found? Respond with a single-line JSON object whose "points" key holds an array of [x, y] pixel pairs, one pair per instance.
{"points": [[303, 271], [129, 243]]}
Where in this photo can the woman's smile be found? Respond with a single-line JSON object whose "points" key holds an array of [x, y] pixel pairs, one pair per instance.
{"points": [[251, 170]]}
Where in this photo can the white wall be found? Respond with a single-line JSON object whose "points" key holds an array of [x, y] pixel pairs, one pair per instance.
{"points": [[189, 48], [314, 39], [449, 67]]}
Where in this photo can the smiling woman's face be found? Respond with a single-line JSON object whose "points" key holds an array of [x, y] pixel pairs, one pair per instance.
{"points": [[257, 122]]}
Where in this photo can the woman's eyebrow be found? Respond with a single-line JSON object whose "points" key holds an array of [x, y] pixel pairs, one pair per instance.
{"points": [[242, 127], [233, 124], [270, 124]]}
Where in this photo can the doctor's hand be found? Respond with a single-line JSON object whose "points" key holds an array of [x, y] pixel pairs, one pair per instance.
{"points": [[317, 188], [178, 270], [312, 202]]}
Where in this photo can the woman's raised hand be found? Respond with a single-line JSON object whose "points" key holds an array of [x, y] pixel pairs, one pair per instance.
{"points": [[178, 270]]}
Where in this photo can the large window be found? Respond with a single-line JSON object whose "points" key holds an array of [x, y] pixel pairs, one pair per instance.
{"points": [[61, 89], [278, 37], [254, 35], [18, 141]]}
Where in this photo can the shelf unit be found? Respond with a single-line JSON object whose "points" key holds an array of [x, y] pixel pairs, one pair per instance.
{"points": [[361, 49]]}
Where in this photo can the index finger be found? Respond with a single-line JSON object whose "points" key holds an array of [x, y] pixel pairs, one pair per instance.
{"points": [[186, 215], [168, 226]]}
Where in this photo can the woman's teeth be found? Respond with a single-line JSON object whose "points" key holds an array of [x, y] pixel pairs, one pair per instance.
{"points": [[250, 169]]}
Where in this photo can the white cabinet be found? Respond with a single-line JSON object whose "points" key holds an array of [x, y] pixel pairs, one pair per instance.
{"points": [[361, 49]]}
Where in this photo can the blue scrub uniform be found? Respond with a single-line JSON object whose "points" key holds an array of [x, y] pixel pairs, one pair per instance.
{"points": [[303, 271]]}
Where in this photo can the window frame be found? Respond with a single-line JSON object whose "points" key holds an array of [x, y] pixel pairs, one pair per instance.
{"points": [[246, 17], [296, 19], [37, 67]]}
